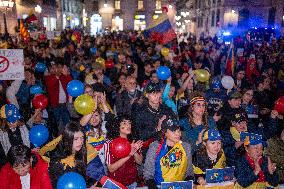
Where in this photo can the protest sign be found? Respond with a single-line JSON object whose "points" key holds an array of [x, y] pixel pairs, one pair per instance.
{"points": [[177, 185], [11, 64], [220, 175]]}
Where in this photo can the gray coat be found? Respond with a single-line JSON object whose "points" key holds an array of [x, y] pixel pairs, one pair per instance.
{"points": [[149, 166]]}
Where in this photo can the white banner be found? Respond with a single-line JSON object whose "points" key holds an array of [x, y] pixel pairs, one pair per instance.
{"points": [[12, 64]]}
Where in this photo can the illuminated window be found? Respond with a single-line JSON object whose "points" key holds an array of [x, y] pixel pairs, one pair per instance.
{"points": [[140, 4], [158, 5], [117, 5]]}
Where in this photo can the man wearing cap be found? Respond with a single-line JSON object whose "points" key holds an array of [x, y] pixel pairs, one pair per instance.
{"points": [[254, 170], [232, 105], [147, 117], [232, 139], [13, 132], [215, 96]]}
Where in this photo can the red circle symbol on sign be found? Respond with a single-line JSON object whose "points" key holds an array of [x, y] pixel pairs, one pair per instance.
{"points": [[4, 64]]}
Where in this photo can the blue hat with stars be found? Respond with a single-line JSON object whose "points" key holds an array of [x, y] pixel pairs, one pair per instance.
{"points": [[212, 135]]}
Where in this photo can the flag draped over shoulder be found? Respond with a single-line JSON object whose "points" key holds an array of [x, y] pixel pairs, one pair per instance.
{"points": [[160, 30], [230, 63]]}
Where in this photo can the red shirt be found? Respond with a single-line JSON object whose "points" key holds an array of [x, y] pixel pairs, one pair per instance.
{"points": [[52, 85], [38, 175], [126, 174], [261, 177]]}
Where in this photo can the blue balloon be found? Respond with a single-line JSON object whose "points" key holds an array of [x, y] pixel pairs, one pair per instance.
{"points": [[163, 72], [71, 180], [40, 67], [38, 135], [93, 50], [75, 88], [36, 89]]}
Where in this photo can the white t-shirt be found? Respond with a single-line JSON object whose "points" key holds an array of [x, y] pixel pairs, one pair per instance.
{"points": [[62, 95], [26, 181]]}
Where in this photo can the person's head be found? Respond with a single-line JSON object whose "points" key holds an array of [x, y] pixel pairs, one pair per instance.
{"points": [[121, 127], [240, 74], [122, 80], [171, 130], [172, 91], [89, 90], [198, 63], [154, 78], [235, 99], [263, 83], [198, 104], [121, 58], [21, 159], [148, 68], [73, 139], [96, 118], [254, 146], [190, 84], [153, 94], [130, 84], [247, 95], [239, 121], [212, 141]]}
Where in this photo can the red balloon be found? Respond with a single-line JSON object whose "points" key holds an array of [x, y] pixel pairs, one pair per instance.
{"points": [[120, 147], [279, 105], [40, 101], [109, 64]]}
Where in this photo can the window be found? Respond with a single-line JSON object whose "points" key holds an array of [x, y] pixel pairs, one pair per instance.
{"points": [[213, 18], [140, 4], [218, 18], [158, 4], [213, 2], [243, 18], [117, 4], [271, 16]]}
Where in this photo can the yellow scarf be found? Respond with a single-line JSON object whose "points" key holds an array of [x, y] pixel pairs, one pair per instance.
{"points": [[235, 134], [174, 164]]}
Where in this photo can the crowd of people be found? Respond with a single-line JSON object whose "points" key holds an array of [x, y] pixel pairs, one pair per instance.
{"points": [[178, 127]]}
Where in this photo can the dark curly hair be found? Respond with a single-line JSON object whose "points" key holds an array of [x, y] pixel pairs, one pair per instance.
{"points": [[113, 128]]}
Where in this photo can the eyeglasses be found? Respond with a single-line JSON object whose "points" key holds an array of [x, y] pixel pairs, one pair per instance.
{"points": [[249, 94]]}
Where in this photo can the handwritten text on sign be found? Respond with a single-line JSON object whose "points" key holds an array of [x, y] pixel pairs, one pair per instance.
{"points": [[11, 64]]}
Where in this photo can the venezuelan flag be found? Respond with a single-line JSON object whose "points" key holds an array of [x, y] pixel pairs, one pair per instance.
{"points": [[230, 63], [160, 30]]}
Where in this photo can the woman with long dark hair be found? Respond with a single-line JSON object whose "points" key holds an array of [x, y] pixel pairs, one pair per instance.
{"points": [[70, 154], [197, 121]]}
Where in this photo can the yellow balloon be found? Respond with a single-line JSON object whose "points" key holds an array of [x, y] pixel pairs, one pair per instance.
{"points": [[84, 104], [165, 51], [73, 38], [101, 61], [57, 39], [202, 75]]}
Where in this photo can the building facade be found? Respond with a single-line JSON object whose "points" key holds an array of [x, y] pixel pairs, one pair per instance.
{"points": [[213, 16]]}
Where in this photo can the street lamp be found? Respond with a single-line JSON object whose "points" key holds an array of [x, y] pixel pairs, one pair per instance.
{"points": [[6, 4], [38, 9]]}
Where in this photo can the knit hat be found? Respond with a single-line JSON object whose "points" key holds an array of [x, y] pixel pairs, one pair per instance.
{"points": [[239, 116], [152, 88]]}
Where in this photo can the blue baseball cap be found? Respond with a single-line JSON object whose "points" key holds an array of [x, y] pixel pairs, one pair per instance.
{"points": [[11, 113], [253, 139], [212, 135], [36, 89]]}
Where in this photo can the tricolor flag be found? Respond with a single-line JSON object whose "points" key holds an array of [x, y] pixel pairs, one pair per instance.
{"points": [[161, 30], [24, 32], [230, 62]]}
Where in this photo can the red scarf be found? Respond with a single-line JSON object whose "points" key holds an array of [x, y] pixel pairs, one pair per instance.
{"points": [[260, 175]]}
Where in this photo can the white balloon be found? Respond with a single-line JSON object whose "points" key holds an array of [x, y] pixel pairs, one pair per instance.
{"points": [[227, 82]]}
